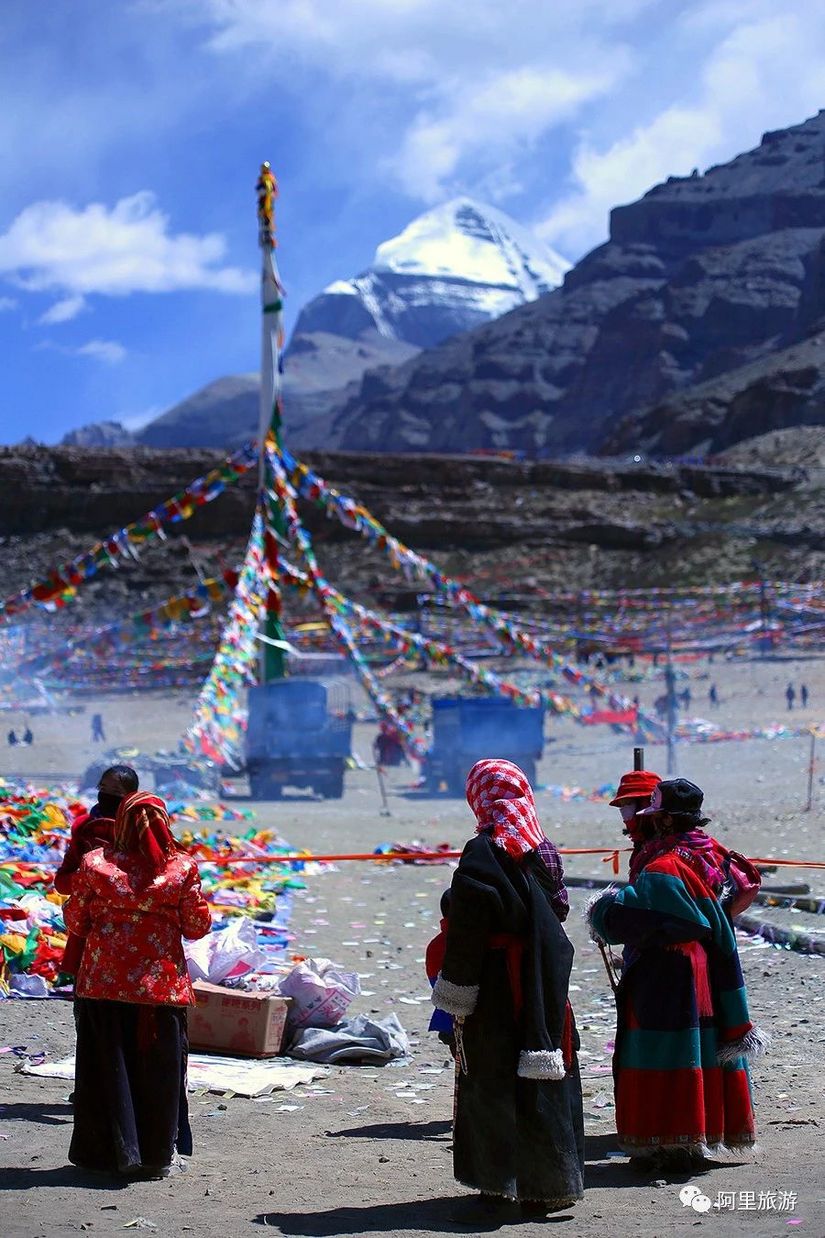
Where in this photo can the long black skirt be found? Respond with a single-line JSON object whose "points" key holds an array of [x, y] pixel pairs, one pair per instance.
{"points": [[520, 1138], [130, 1106]]}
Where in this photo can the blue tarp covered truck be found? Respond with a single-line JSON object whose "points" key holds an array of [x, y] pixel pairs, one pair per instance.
{"points": [[299, 734], [467, 729]]}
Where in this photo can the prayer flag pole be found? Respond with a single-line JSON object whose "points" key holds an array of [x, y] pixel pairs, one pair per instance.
{"points": [[811, 769], [670, 691], [273, 654]]}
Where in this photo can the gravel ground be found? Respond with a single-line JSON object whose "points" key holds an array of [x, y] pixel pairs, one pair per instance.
{"points": [[367, 1151]]}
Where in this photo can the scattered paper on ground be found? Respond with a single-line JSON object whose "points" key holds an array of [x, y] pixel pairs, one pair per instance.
{"points": [[250, 1078], [217, 1074]]}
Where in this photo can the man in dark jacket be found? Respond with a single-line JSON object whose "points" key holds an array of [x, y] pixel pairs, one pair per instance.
{"points": [[91, 830]]}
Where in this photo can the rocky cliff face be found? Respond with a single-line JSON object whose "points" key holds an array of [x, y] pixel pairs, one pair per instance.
{"points": [[785, 388], [517, 532], [702, 277]]}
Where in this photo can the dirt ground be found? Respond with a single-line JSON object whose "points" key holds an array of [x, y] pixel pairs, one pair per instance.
{"points": [[367, 1151]]}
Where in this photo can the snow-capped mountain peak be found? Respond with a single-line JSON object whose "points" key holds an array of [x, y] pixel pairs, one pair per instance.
{"points": [[463, 239], [449, 270]]}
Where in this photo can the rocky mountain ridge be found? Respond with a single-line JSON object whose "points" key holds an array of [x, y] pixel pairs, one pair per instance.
{"points": [[701, 277], [697, 325]]}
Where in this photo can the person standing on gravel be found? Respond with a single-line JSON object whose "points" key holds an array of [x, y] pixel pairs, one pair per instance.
{"points": [[133, 901], [684, 1035], [518, 1129], [790, 695]]}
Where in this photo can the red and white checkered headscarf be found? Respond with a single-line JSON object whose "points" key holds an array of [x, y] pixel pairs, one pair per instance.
{"points": [[501, 797]]}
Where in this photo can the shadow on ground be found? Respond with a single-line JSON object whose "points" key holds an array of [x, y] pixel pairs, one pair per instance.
{"points": [[621, 1172], [30, 1179], [47, 1114], [396, 1130], [449, 1214]]}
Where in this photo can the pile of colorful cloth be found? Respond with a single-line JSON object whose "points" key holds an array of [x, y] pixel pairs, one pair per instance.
{"points": [[180, 811], [241, 876], [598, 795], [700, 731]]}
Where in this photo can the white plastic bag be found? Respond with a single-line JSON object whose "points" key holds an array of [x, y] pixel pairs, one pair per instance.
{"points": [[230, 951], [320, 993]]}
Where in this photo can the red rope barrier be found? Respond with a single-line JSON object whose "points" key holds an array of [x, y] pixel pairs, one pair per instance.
{"points": [[297, 858], [610, 855]]}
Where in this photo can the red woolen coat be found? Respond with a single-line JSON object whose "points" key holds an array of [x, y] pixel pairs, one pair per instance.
{"points": [[133, 924]]}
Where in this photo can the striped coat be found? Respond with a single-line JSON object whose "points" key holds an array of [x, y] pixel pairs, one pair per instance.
{"points": [[684, 1034]]}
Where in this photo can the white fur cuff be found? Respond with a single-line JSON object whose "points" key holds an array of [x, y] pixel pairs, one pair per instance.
{"points": [[595, 898], [459, 1000], [541, 1064], [750, 1045]]}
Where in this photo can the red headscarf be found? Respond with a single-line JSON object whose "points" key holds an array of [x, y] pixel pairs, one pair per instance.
{"points": [[142, 828], [501, 797]]}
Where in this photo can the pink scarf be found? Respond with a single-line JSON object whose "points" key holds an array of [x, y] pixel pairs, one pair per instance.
{"points": [[501, 797], [701, 851]]}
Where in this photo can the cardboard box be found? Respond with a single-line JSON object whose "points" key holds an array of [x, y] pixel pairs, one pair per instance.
{"points": [[237, 1023]]}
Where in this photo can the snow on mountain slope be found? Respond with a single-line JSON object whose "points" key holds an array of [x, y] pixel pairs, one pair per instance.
{"points": [[449, 270], [465, 240]]}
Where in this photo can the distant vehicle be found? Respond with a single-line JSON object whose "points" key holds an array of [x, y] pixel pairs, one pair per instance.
{"points": [[467, 729], [299, 735], [168, 774], [172, 773]]}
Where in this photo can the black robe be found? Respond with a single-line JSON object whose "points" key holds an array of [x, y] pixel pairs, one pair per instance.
{"points": [[518, 1124]]}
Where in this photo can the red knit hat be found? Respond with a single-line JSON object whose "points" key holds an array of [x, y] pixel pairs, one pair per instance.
{"points": [[639, 784]]}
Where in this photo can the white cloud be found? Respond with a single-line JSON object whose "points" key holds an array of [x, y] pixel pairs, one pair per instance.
{"points": [[479, 79], [108, 351], [7, 303], [403, 40], [507, 112], [62, 311], [114, 251], [764, 73]]}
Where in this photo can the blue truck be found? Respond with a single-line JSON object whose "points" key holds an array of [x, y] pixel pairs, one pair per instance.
{"points": [[467, 729], [299, 734]]}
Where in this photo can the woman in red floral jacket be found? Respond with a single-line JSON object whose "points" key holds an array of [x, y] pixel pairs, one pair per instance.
{"points": [[133, 901]]}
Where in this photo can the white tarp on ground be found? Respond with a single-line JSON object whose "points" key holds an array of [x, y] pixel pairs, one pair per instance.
{"points": [[244, 1077]]}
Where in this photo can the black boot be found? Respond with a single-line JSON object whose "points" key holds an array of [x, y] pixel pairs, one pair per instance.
{"points": [[482, 1210]]}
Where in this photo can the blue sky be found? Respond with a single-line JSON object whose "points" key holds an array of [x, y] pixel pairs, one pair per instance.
{"points": [[132, 134]]}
